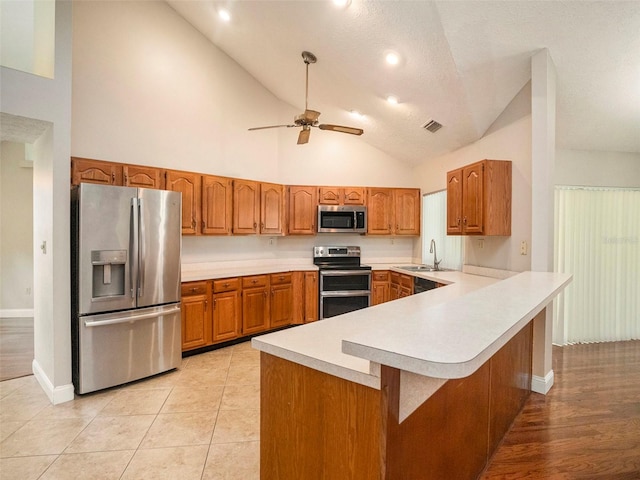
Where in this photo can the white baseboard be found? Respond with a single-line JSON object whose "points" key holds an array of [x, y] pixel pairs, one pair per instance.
{"points": [[542, 384], [56, 394], [16, 313]]}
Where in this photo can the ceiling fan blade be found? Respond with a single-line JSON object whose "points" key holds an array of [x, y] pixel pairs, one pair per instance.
{"points": [[271, 126], [304, 136], [311, 115], [340, 128]]}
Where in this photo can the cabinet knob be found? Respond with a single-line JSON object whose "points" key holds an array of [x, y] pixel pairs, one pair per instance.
{"points": [[225, 285], [254, 281], [458, 221], [255, 225], [194, 289], [465, 220]]}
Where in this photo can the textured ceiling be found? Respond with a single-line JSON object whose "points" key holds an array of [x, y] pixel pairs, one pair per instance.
{"points": [[462, 63]]}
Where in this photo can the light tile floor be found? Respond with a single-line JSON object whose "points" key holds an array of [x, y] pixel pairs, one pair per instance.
{"points": [[199, 422]]}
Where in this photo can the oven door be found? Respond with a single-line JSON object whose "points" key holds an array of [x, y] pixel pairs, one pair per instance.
{"points": [[343, 291], [337, 303]]}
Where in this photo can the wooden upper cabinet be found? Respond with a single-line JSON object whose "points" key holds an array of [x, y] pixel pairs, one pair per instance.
{"points": [[379, 211], [342, 196], [84, 170], [407, 211], [188, 184], [454, 202], [143, 177], [393, 211], [246, 206], [479, 199], [217, 205], [272, 212], [303, 210]]}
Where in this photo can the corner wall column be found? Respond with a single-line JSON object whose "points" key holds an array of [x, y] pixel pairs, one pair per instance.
{"points": [[543, 145]]}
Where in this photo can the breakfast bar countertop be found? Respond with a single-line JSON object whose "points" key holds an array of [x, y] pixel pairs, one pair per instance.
{"points": [[447, 332]]}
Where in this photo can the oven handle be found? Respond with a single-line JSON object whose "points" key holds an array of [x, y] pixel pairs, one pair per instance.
{"points": [[343, 273], [346, 293]]}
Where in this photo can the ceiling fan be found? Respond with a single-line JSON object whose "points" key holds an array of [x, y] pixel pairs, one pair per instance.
{"points": [[309, 118]]}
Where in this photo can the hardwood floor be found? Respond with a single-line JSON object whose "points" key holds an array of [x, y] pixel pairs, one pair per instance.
{"points": [[587, 427], [16, 347]]}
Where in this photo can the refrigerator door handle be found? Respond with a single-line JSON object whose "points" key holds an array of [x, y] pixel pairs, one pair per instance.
{"points": [[130, 318], [142, 248], [133, 245]]}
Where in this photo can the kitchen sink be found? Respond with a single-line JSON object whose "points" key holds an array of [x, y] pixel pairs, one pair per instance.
{"points": [[423, 268]]}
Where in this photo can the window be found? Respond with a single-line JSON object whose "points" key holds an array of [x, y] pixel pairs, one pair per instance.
{"points": [[434, 222]]}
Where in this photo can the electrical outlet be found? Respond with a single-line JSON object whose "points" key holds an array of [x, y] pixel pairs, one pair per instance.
{"points": [[481, 243], [523, 247]]}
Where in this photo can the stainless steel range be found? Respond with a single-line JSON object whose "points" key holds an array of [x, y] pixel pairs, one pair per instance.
{"points": [[345, 284]]}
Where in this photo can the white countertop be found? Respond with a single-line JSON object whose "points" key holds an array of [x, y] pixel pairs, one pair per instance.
{"points": [[208, 271], [445, 333]]}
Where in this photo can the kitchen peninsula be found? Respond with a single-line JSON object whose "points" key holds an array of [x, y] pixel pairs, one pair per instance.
{"points": [[423, 387]]}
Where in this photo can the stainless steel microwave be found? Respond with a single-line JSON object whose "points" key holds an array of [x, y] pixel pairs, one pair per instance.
{"points": [[342, 219]]}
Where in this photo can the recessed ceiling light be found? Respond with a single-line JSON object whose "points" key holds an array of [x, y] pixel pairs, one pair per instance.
{"points": [[356, 114], [224, 15], [392, 58], [393, 100], [342, 3]]}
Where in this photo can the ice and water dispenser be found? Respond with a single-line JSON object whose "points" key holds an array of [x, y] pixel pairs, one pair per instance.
{"points": [[108, 272]]}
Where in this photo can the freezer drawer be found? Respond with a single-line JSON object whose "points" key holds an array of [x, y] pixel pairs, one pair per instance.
{"points": [[117, 348]]}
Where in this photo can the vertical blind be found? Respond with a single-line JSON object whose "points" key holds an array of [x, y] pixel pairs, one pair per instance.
{"points": [[434, 226], [597, 239]]}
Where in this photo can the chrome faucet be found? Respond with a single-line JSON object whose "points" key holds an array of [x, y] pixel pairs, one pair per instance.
{"points": [[432, 249]]}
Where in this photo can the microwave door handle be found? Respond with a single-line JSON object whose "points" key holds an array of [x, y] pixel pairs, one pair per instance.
{"points": [[355, 220]]}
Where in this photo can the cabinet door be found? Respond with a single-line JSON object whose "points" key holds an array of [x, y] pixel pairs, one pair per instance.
{"points": [[196, 315], [188, 184], [354, 196], [379, 292], [407, 211], [271, 209], [255, 310], [84, 170], [226, 316], [246, 206], [330, 196], [472, 198], [454, 202], [281, 305], [217, 206], [142, 177], [303, 210], [379, 211], [311, 297]]}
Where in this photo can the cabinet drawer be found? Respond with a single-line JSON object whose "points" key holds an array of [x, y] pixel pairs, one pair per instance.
{"points": [[254, 281], [280, 278], [381, 276], [226, 285], [194, 288]]}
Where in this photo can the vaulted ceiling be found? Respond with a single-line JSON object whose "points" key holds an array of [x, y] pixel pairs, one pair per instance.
{"points": [[461, 63]]}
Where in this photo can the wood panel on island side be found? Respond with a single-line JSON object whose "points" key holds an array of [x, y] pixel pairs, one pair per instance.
{"points": [[318, 426]]}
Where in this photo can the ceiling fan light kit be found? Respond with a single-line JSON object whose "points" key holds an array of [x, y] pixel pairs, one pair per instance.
{"points": [[309, 118]]}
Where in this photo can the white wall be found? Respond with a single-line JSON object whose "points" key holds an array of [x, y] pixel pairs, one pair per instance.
{"points": [[16, 231], [509, 138], [597, 169], [150, 89], [49, 100]]}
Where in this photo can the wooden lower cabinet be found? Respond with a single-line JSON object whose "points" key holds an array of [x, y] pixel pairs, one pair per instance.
{"points": [[281, 308], [227, 309], [451, 435], [196, 315], [311, 293], [255, 304], [400, 285], [380, 288]]}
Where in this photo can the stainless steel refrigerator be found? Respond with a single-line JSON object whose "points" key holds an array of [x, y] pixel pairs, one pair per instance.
{"points": [[125, 270]]}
